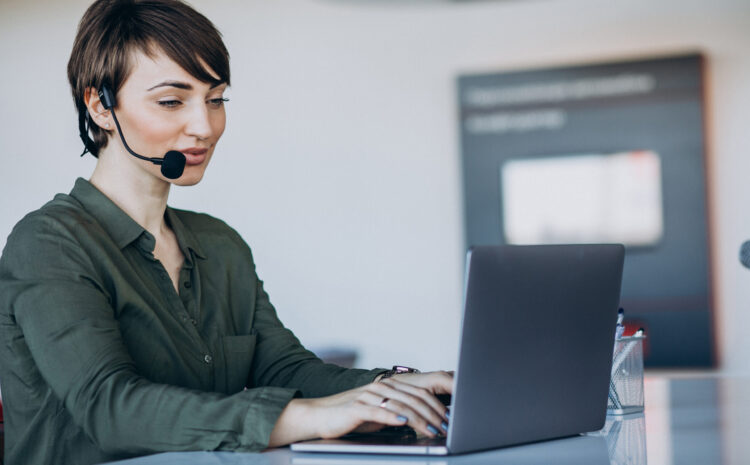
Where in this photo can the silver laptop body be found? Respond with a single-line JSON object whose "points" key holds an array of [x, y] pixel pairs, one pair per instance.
{"points": [[535, 351]]}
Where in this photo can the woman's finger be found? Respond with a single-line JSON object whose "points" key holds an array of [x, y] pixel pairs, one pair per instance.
{"points": [[437, 382], [417, 403], [422, 393], [370, 413], [415, 419], [372, 398]]}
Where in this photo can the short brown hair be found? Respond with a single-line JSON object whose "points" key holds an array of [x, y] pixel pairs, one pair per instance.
{"points": [[111, 30]]}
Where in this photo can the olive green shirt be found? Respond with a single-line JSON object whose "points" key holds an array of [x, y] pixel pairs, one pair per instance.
{"points": [[101, 358]]}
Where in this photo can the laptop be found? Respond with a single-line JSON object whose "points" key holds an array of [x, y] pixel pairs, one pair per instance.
{"points": [[535, 352]]}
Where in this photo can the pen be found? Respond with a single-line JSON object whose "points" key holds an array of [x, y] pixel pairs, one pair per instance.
{"points": [[614, 398], [620, 328]]}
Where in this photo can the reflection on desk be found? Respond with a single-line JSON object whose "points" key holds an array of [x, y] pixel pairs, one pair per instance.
{"points": [[686, 422], [626, 439], [581, 450], [697, 420]]}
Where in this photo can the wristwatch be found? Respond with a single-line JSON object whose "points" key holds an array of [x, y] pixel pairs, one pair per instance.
{"points": [[397, 370]]}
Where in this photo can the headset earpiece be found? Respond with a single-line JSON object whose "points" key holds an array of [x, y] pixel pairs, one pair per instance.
{"points": [[106, 97]]}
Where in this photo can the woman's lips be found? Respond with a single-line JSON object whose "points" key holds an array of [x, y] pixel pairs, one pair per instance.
{"points": [[194, 156]]}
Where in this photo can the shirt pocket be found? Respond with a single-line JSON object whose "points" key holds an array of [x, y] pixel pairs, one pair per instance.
{"points": [[238, 357]]}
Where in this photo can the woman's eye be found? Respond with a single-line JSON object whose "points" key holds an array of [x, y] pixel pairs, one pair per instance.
{"points": [[217, 102], [169, 103]]}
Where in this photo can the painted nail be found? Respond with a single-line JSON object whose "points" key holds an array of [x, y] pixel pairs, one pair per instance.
{"points": [[432, 429], [444, 425], [448, 414], [402, 419]]}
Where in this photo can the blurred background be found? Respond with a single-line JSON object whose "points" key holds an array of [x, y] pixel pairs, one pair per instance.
{"points": [[342, 163]]}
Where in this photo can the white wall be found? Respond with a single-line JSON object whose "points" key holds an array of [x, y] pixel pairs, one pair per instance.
{"points": [[340, 164]]}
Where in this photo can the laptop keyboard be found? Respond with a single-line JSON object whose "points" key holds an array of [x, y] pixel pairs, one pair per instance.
{"points": [[400, 435], [395, 435]]}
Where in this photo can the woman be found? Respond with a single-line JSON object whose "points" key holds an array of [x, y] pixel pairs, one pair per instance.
{"points": [[129, 327]]}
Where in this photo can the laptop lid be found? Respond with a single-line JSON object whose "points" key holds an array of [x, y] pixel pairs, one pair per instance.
{"points": [[535, 352], [536, 343]]}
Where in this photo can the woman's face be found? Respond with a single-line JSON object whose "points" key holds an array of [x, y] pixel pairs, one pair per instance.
{"points": [[161, 107]]}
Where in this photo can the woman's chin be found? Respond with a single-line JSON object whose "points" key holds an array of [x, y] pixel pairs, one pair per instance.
{"points": [[190, 177]]}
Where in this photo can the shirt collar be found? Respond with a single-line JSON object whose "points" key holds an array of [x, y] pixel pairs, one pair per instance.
{"points": [[121, 228], [185, 236]]}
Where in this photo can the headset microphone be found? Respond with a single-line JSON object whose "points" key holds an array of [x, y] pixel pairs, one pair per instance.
{"points": [[745, 254], [173, 162]]}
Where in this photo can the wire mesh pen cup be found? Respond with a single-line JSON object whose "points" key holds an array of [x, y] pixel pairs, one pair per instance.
{"points": [[626, 383]]}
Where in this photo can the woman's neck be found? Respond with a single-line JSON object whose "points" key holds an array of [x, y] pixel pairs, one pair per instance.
{"points": [[138, 193]]}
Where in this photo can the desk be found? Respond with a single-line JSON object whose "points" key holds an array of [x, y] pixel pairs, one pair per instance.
{"points": [[687, 421]]}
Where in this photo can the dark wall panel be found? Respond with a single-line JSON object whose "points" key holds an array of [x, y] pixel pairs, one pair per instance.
{"points": [[654, 104]]}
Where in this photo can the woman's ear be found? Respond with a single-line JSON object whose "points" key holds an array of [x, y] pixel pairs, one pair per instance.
{"points": [[99, 115]]}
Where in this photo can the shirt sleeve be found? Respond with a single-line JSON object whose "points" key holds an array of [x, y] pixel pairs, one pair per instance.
{"points": [[69, 326]]}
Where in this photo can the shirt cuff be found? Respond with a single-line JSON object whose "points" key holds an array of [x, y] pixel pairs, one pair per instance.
{"points": [[369, 376], [266, 405]]}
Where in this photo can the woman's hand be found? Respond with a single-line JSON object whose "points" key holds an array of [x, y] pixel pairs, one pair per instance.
{"points": [[437, 382], [404, 399]]}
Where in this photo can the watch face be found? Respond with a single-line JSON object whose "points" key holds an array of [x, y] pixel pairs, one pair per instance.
{"points": [[402, 369], [397, 370]]}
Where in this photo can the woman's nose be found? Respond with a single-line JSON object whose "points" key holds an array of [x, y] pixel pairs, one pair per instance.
{"points": [[198, 123]]}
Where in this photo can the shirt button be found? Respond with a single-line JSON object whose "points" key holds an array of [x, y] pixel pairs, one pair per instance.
{"points": [[208, 359], [195, 323], [188, 284]]}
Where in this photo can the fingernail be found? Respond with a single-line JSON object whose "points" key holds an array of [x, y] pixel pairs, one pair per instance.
{"points": [[432, 429], [448, 414], [402, 419], [444, 425]]}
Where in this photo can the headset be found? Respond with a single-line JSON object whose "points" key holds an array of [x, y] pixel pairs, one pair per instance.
{"points": [[172, 163]]}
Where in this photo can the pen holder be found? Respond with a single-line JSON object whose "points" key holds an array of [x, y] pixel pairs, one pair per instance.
{"points": [[626, 383]]}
